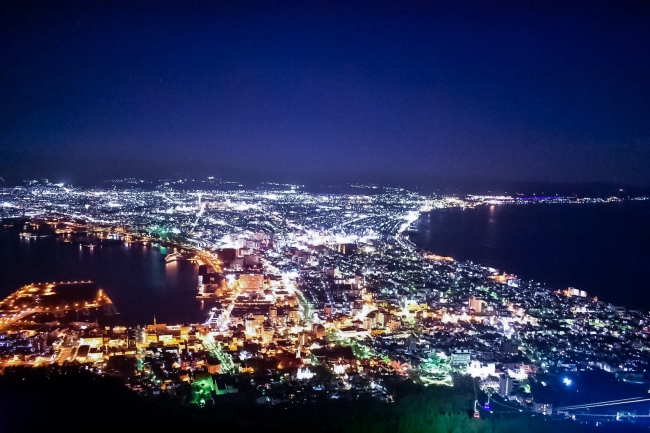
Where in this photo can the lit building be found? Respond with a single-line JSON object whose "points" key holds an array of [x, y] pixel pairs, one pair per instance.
{"points": [[461, 358], [251, 282], [543, 408], [250, 327], [318, 330], [267, 334], [475, 304]]}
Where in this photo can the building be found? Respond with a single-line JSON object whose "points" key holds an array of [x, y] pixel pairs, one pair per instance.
{"points": [[318, 330], [224, 384], [94, 341], [461, 358], [294, 315], [227, 256], [506, 384], [411, 343], [251, 261], [475, 304], [250, 327], [347, 249], [394, 324], [252, 282], [543, 408], [511, 347], [200, 287], [572, 291], [273, 314], [480, 369], [214, 367], [267, 333]]}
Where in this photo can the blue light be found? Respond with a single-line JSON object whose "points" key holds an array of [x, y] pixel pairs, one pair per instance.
{"points": [[566, 381]]}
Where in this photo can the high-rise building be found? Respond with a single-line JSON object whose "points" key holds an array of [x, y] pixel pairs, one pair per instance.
{"points": [[250, 328], [475, 304], [411, 343], [511, 347], [267, 333], [318, 330], [201, 287], [505, 385], [294, 315], [273, 314]]}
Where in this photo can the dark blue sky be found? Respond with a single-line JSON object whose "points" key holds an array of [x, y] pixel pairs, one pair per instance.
{"points": [[523, 90]]}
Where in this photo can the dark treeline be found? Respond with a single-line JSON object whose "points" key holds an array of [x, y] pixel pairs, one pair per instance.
{"points": [[71, 399]]}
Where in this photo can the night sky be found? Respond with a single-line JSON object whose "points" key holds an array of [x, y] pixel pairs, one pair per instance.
{"points": [[319, 90]]}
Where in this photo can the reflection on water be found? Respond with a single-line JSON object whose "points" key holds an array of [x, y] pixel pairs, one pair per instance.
{"points": [[134, 276], [601, 248]]}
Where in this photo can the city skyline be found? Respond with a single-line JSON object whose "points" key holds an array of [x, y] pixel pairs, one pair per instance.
{"points": [[325, 216], [281, 297]]}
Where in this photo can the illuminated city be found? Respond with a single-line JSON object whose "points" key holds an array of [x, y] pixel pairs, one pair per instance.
{"points": [[325, 216], [315, 294]]}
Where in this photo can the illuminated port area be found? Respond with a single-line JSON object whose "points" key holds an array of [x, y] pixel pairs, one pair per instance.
{"points": [[38, 301], [312, 296]]}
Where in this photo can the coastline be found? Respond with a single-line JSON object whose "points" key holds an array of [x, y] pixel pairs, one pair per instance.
{"points": [[502, 242], [341, 285]]}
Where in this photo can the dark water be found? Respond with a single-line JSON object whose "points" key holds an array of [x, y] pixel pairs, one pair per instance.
{"points": [[135, 277], [588, 386], [601, 248]]}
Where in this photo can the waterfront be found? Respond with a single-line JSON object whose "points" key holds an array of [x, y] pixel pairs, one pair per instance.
{"points": [[135, 276], [328, 289], [601, 248]]}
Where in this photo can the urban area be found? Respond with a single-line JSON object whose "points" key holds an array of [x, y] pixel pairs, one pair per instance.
{"points": [[315, 295]]}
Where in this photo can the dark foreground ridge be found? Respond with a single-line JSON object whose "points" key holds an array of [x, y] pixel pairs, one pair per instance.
{"points": [[70, 398]]}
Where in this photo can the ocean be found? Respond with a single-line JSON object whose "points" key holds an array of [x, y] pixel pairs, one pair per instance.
{"points": [[135, 277], [603, 249]]}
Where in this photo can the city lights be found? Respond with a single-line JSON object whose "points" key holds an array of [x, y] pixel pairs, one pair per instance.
{"points": [[299, 283]]}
